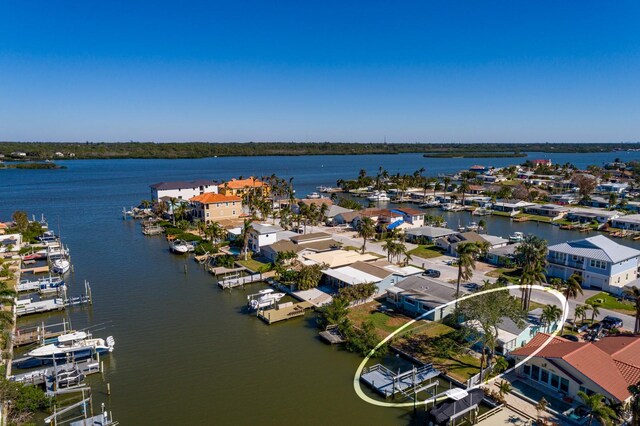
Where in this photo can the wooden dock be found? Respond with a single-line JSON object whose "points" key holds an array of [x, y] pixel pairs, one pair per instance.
{"points": [[40, 333], [46, 376], [283, 311], [35, 270], [241, 281], [388, 384], [332, 335]]}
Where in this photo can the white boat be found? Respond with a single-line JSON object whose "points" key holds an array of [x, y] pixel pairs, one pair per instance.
{"points": [[266, 297], [48, 236], [77, 345], [60, 266], [447, 207], [516, 237], [180, 246], [378, 196], [481, 211], [313, 196], [472, 226]]}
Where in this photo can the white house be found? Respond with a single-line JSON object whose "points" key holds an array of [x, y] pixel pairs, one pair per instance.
{"points": [[609, 187], [513, 207], [261, 235], [600, 262], [589, 215], [182, 190], [630, 222]]}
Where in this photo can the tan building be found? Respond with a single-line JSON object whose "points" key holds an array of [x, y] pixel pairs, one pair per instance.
{"points": [[211, 207], [239, 187]]}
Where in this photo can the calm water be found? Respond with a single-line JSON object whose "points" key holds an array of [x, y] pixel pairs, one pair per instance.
{"points": [[186, 353]]}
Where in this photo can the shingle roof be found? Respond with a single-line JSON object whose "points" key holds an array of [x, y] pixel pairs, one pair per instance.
{"points": [[210, 197], [613, 363], [598, 247]]}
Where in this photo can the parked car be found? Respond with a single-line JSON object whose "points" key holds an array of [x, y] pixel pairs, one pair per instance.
{"points": [[571, 337], [611, 322], [431, 273]]}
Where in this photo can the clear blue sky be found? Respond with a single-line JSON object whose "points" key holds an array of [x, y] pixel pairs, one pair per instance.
{"points": [[447, 71]]}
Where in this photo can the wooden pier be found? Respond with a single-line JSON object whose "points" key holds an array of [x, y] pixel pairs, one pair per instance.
{"points": [[388, 384], [47, 376], [241, 281], [283, 311], [36, 270], [40, 333]]}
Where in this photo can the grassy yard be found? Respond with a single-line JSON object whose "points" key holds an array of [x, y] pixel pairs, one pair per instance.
{"points": [[427, 251], [461, 366], [509, 273], [251, 264], [384, 323], [607, 301], [535, 217]]}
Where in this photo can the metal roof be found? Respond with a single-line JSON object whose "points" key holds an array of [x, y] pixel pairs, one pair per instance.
{"points": [[598, 247]]}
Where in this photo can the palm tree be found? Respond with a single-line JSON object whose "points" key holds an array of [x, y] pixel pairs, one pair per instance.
{"points": [[594, 310], [541, 406], [390, 247], [336, 312], [572, 287], [597, 408], [634, 292], [366, 230], [532, 255], [580, 312], [446, 181], [244, 236], [504, 388], [634, 405], [467, 252], [172, 203], [551, 314]]}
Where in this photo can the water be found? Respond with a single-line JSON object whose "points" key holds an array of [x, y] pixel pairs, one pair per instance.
{"points": [[186, 352]]}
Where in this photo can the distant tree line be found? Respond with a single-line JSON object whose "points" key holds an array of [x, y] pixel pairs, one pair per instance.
{"points": [[106, 150]]}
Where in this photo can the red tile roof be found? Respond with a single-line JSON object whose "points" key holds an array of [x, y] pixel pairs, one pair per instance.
{"points": [[210, 197], [243, 183], [613, 363]]}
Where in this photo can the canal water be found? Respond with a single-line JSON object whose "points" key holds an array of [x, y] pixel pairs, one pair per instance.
{"points": [[186, 352]]}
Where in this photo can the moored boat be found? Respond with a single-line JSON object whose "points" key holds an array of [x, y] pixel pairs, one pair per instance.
{"points": [[77, 345], [266, 297], [180, 246], [516, 237], [379, 196]]}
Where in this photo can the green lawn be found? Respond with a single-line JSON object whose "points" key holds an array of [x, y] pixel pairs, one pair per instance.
{"points": [[251, 264], [534, 217], [384, 323], [427, 251], [607, 301]]}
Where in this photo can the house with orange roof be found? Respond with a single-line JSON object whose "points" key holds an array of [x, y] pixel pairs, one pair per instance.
{"points": [[563, 367], [210, 207], [239, 187]]}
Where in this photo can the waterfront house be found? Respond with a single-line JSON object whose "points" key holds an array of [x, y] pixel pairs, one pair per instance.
{"points": [[450, 243], [502, 256], [312, 243], [511, 335], [583, 215], [240, 187], [337, 258], [13, 240], [262, 234], [427, 234], [411, 218], [563, 368], [379, 272], [541, 162], [211, 207], [513, 207], [479, 169], [182, 190], [596, 201], [417, 295], [552, 211], [630, 222], [600, 262]]}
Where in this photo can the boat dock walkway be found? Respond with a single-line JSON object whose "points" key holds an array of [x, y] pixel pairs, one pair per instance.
{"points": [[283, 311], [36, 270], [241, 281], [38, 334], [388, 384], [47, 376], [27, 306]]}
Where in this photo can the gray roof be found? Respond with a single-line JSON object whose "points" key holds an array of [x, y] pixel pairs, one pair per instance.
{"points": [[430, 231], [336, 210], [301, 238], [494, 240], [507, 250], [427, 290], [182, 184], [598, 247], [632, 218], [261, 228]]}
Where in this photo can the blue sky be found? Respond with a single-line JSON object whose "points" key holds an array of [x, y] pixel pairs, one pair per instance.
{"points": [[447, 71]]}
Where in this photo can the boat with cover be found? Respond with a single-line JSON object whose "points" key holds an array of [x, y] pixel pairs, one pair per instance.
{"points": [[379, 196], [313, 196], [77, 345], [266, 297], [60, 265], [180, 246], [516, 237]]}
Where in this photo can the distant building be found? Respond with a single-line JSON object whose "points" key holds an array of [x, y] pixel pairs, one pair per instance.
{"points": [[240, 187], [210, 207], [600, 262], [630, 222], [552, 211], [18, 154], [513, 207], [182, 190], [611, 187], [542, 162], [583, 215]]}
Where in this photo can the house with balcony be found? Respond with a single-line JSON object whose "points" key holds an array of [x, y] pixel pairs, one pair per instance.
{"points": [[600, 262], [562, 368], [182, 190], [211, 207]]}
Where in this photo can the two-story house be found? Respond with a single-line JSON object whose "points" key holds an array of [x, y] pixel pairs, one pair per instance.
{"points": [[182, 190], [211, 207], [600, 262], [240, 187]]}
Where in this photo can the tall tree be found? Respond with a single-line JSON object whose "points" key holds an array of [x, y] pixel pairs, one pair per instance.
{"points": [[245, 233], [531, 255], [593, 306], [366, 230], [467, 252], [597, 408], [579, 312], [551, 314]]}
